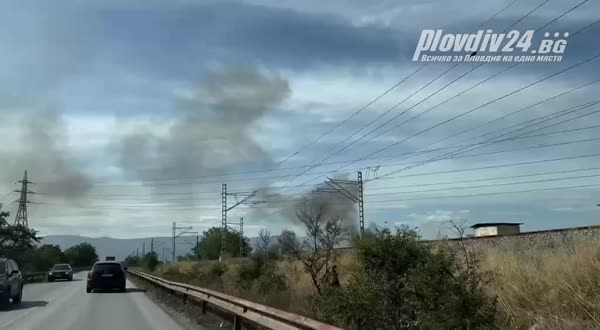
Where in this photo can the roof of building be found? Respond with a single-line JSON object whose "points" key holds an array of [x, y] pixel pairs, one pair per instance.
{"points": [[495, 224]]}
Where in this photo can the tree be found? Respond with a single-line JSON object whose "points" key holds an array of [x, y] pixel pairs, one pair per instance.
{"points": [[403, 283], [45, 256], [288, 243], [317, 251], [16, 241], [150, 261], [210, 244], [81, 255], [187, 257], [264, 240], [133, 261]]}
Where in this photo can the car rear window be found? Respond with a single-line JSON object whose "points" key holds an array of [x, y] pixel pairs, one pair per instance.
{"points": [[111, 267], [61, 267], [2, 267]]}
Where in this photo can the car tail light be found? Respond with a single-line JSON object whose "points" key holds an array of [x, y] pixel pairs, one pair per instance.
{"points": [[91, 275]]}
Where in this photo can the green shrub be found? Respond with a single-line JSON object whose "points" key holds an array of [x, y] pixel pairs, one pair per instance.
{"points": [[249, 271], [403, 284], [270, 282], [259, 274], [218, 269]]}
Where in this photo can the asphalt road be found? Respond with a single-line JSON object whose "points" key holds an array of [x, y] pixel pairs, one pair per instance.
{"points": [[66, 305]]}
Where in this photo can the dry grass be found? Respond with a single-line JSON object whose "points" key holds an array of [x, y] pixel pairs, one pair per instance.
{"points": [[541, 287], [548, 288]]}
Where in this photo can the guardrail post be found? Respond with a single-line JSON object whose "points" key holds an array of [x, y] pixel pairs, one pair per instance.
{"points": [[204, 306], [185, 298], [237, 322]]}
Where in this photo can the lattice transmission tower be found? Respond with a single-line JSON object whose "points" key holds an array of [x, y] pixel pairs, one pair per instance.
{"points": [[21, 216]]}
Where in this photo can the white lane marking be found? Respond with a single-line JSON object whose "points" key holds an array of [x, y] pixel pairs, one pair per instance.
{"points": [[28, 311]]}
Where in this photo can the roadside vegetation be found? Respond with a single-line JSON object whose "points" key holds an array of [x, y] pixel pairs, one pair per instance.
{"points": [[548, 288], [391, 281], [21, 244]]}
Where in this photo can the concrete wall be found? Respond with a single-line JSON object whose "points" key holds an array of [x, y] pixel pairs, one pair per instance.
{"points": [[523, 243], [565, 239], [496, 230], [508, 230]]}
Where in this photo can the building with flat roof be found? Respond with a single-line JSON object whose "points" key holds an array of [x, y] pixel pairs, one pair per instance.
{"points": [[496, 228]]}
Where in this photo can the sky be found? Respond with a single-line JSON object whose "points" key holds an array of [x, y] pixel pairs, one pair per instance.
{"points": [[130, 115]]}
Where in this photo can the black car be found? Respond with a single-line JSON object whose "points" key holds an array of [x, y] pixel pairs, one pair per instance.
{"points": [[60, 271], [11, 282], [106, 275]]}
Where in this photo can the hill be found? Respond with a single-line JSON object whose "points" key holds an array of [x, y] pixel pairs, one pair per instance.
{"points": [[121, 248]]}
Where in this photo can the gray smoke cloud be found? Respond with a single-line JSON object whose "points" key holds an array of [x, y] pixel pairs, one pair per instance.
{"points": [[42, 150], [32, 127], [212, 128], [330, 204]]}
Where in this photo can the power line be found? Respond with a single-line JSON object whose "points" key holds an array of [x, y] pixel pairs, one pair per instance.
{"points": [[465, 113], [487, 103], [484, 104], [487, 179], [423, 151], [386, 92], [472, 169], [563, 14], [354, 114], [101, 196], [452, 154], [325, 172], [585, 27], [487, 194], [541, 161], [511, 114], [108, 197], [471, 187], [437, 91], [453, 157], [526, 15], [487, 185], [547, 24], [489, 122], [436, 78], [143, 207]]}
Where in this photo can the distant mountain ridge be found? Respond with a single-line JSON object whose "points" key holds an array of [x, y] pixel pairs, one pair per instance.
{"points": [[122, 247]]}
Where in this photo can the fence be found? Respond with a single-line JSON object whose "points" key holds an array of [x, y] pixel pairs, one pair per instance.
{"points": [[243, 311]]}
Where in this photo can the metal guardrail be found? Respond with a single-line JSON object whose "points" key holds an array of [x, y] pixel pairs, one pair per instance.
{"points": [[29, 277], [242, 310]]}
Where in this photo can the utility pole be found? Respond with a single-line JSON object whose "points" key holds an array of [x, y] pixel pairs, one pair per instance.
{"points": [[173, 243], [143, 249], [152, 245], [21, 216], [225, 209], [174, 237], [337, 187], [223, 219], [137, 252], [163, 255], [241, 237], [197, 248], [361, 210]]}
